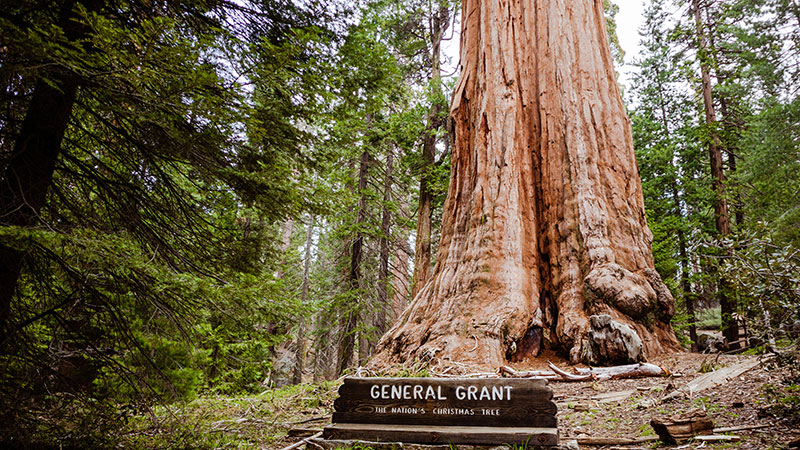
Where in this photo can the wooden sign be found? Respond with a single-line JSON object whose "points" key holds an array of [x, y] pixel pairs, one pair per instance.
{"points": [[454, 411]]}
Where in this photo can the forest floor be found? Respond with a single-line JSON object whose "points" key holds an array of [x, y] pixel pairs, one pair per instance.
{"points": [[588, 409], [591, 409]]}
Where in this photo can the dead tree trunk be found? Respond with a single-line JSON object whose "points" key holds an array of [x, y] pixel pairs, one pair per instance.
{"points": [[280, 374], [300, 345], [544, 222]]}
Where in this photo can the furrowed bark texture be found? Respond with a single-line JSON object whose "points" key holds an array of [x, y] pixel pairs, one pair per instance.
{"points": [[544, 222]]}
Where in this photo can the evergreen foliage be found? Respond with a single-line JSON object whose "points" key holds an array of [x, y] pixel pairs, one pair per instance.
{"points": [[138, 259], [753, 88]]}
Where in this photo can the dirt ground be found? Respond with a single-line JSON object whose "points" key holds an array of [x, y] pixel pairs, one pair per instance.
{"points": [[624, 408], [585, 411]]}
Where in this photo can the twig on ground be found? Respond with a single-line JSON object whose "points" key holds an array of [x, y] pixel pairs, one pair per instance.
{"points": [[302, 442], [629, 441], [740, 428], [313, 419], [480, 375], [315, 445], [568, 376]]}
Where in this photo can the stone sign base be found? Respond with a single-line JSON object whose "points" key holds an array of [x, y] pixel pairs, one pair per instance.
{"points": [[334, 444], [425, 434]]}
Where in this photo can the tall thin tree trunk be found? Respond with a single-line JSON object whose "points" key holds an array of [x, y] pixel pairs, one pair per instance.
{"points": [[735, 128], [300, 344], [686, 286], [729, 121], [400, 280], [422, 255], [721, 214], [350, 320], [400, 265], [28, 174], [386, 231], [279, 375], [544, 222]]}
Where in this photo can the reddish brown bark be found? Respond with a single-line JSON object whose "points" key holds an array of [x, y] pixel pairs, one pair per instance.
{"points": [[544, 220]]}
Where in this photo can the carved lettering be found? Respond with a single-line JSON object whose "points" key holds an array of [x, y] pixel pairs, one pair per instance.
{"points": [[472, 392], [453, 402], [419, 392]]}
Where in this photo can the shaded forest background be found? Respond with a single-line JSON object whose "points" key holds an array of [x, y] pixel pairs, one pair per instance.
{"points": [[212, 197]]}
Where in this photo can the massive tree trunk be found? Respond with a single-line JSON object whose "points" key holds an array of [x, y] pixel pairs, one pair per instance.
{"points": [[544, 222]]}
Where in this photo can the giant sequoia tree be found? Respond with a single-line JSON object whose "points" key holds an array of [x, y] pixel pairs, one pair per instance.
{"points": [[544, 222]]}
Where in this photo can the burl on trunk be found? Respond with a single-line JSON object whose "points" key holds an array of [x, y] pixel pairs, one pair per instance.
{"points": [[544, 224]]}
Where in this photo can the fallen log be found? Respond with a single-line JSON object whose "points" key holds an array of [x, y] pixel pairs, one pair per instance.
{"points": [[712, 379], [513, 373], [570, 377], [582, 374], [640, 370]]}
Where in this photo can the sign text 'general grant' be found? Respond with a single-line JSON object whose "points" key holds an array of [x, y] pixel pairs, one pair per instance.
{"points": [[418, 392]]}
